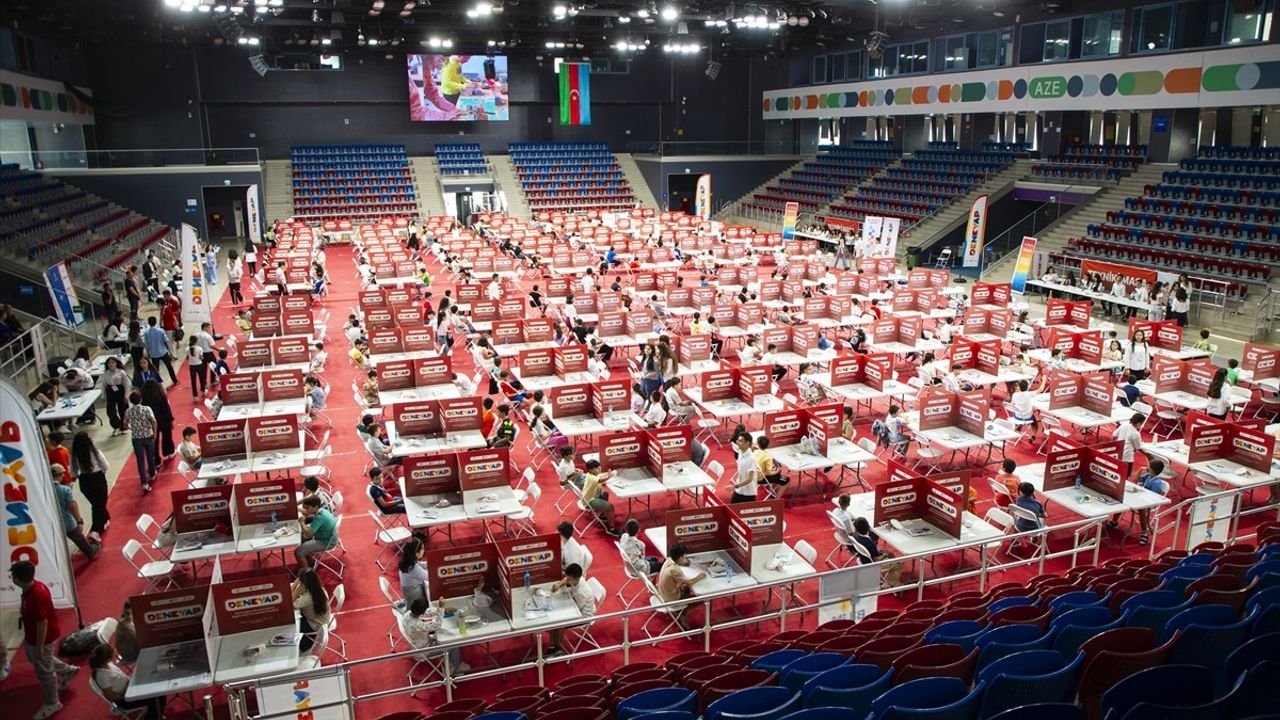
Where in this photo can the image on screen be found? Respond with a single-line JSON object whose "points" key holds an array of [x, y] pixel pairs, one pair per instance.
{"points": [[457, 88]]}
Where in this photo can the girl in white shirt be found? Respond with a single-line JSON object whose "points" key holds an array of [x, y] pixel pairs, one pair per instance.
{"points": [[1138, 359], [1219, 398]]}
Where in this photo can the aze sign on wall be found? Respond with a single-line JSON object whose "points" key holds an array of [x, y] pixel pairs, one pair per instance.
{"points": [[1216, 78]]}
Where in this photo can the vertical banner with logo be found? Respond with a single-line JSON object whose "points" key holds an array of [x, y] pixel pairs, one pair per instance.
{"points": [[1022, 268], [32, 521], [887, 247], [254, 217], [304, 696], [195, 297], [789, 217], [975, 232], [63, 294], [702, 197]]}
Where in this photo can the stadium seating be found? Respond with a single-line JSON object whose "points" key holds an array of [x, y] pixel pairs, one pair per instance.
{"points": [[923, 184], [1091, 162], [819, 181], [45, 221], [1214, 217], [1052, 647], [571, 176], [355, 181], [461, 159]]}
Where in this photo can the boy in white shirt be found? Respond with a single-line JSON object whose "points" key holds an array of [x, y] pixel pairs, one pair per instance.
{"points": [[750, 353], [319, 358], [1130, 433], [571, 551], [493, 290], [582, 597], [747, 484]]}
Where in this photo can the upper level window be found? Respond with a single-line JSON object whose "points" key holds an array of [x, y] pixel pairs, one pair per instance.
{"points": [[1154, 27]]}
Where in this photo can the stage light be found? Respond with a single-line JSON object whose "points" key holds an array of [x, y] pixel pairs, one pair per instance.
{"points": [[642, 13], [624, 19], [559, 11], [669, 13], [220, 8], [172, 3]]}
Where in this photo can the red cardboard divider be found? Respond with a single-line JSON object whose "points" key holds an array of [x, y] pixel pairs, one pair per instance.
{"points": [[273, 433], [699, 530], [197, 509], [222, 438], [457, 571], [435, 474], [257, 501], [255, 603], [169, 617]]}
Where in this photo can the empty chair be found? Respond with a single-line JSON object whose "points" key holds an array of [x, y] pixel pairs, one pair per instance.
{"points": [[1071, 629], [1205, 642], [824, 713], [755, 650], [1261, 649], [883, 651], [1255, 696], [501, 716], [572, 702], [658, 700], [1022, 615], [678, 661], [778, 659], [671, 715], [1008, 602], [730, 682], [1025, 678], [1114, 655], [958, 632], [1154, 609], [848, 686], [1178, 578], [624, 670], [998, 642], [703, 675], [936, 660], [922, 694], [1164, 685], [1040, 711], [799, 672], [757, 703], [472, 705], [1075, 599]]}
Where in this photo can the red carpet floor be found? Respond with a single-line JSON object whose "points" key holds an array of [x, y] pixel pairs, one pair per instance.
{"points": [[106, 582]]}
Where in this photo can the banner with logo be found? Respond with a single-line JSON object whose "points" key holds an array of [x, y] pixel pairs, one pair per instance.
{"points": [[196, 303], [305, 697], [789, 218], [1113, 271], [254, 217], [63, 293], [1022, 268], [702, 197], [975, 233], [32, 520]]}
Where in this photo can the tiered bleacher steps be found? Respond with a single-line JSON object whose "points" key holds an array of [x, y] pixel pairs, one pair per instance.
{"points": [[1082, 164], [277, 188], [942, 222], [735, 208], [359, 182], [426, 179], [508, 182], [825, 179], [44, 221], [923, 184], [639, 186], [1094, 210], [570, 176]]}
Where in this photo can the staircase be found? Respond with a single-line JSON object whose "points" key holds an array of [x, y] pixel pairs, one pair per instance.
{"points": [[957, 213], [507, 181], [277, 188], [734, 208], [639, 186], [426, 182], [1073, 223]]}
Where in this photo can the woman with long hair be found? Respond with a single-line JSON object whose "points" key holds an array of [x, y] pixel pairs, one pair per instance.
{"points": [[1219, 398], [312, 603], [650, 371], [153, 397], [90, 466], [413, 572], [143, 373], [1138, 358], [116, 385]]}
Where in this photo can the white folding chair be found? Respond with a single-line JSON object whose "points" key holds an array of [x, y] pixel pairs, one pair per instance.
{"points": [[397, 605], [1002, 520], [632, 574], [523, 519], [843, 541], [389, 538], [337, 599], [926, 455], [150, 530], [325, 557], [150, 569], [119, 712]]}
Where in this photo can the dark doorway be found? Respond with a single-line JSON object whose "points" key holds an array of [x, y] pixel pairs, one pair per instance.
{"points": [[681, 190], [225, 214]]}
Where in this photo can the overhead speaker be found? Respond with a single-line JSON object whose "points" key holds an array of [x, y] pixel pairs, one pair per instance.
{"points": [[713, 70], [259, 65]]}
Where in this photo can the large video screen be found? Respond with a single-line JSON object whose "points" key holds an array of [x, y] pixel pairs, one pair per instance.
{"points": [[455, 88]]}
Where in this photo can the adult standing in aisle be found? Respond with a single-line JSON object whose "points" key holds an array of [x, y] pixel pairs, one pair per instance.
{"points": [[156, 342], [89, 466], [115, 385], [131, 291], [39, 632], [235, 272]]}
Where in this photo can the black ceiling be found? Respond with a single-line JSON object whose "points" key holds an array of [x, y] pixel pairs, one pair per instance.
{"points": [[515, 26]]}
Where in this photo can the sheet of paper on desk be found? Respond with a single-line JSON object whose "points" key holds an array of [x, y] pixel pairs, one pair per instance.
{"points": [[429, 514], [284, 639], [485, 509], [259, 543]]}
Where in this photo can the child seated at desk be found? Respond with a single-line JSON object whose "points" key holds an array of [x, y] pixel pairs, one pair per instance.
{"points": [[1027, 501], [420, 627], [583, 598], [109, 681], [189, 450], [866, 539], [595, 497], [378, 493], [545, 431]]}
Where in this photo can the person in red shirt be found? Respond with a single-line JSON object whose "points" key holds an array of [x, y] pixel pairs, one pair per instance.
{"points": [[487, 417], [39, 633], [58, 455], [170, 313]]}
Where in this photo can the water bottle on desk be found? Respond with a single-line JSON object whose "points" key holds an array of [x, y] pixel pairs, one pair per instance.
{"points": [[528, 581], [275, 522], [728, 574], [1079, 482]]}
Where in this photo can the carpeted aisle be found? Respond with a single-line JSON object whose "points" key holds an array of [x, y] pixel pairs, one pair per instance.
{"points": [[106, 582]]}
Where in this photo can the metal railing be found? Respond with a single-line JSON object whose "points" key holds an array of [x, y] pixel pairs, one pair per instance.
{"points": [[1034, 222], [1086, 539], [1175, 516], [25, 359], [1267, 317], [149, 157], [722, 147]]}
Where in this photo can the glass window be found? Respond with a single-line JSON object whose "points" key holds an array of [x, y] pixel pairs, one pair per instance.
{"points": [[1155, 26], [1245, 27], [1057, 40], [957, 54], [988, 53], [1102, 34], [853, 65], [836, 63], [820, 69]]}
